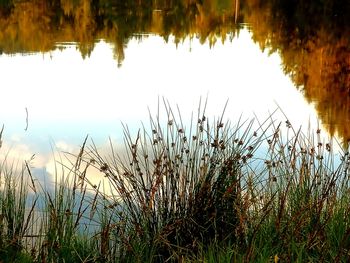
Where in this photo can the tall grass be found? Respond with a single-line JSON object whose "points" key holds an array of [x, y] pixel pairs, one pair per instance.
{"points": [[197, 191]]}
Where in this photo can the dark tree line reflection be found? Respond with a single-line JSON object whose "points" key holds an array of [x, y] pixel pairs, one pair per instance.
{"points": [[312, 36]]}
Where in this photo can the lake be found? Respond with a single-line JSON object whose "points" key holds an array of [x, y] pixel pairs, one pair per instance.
{"points": [[76, 68]]}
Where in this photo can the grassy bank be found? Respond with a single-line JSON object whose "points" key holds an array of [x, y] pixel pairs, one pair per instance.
{"points": [[209, 192]]}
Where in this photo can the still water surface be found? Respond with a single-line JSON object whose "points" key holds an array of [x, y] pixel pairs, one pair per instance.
{"points": [[88, 73]]}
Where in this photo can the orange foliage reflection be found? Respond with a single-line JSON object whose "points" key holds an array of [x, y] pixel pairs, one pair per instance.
{"points": [[315, 50], [36, 26]]}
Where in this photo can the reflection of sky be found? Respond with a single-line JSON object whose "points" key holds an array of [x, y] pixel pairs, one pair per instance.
{"points": [[68, 97]]}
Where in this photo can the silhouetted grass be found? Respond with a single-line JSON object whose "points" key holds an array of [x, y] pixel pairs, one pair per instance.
{"points": [[206, 191]]}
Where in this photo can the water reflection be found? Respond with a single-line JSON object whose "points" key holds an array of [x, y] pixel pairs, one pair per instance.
{"points": [[75, 87], [312, 39]]}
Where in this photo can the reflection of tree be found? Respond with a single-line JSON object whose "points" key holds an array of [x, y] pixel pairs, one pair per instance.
{"points": [[313, 39], [327, 82], [32, 26]]}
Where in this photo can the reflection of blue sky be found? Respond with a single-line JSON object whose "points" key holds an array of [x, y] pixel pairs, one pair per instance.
{"points": [[68, 97]]}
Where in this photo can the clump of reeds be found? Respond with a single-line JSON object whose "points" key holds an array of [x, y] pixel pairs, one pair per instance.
{"points": [[180, 187]]}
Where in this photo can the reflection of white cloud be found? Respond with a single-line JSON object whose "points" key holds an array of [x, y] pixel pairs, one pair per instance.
{"points": [[20, 152], [49, 167], [16, 137], [15, 152], [62, 167], [64, 146]]}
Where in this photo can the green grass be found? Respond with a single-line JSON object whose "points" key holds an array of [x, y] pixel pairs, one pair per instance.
{"points": [[211, 191]]}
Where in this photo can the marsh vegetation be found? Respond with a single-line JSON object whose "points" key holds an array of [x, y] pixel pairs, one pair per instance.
{"points": [[208, 190]]}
